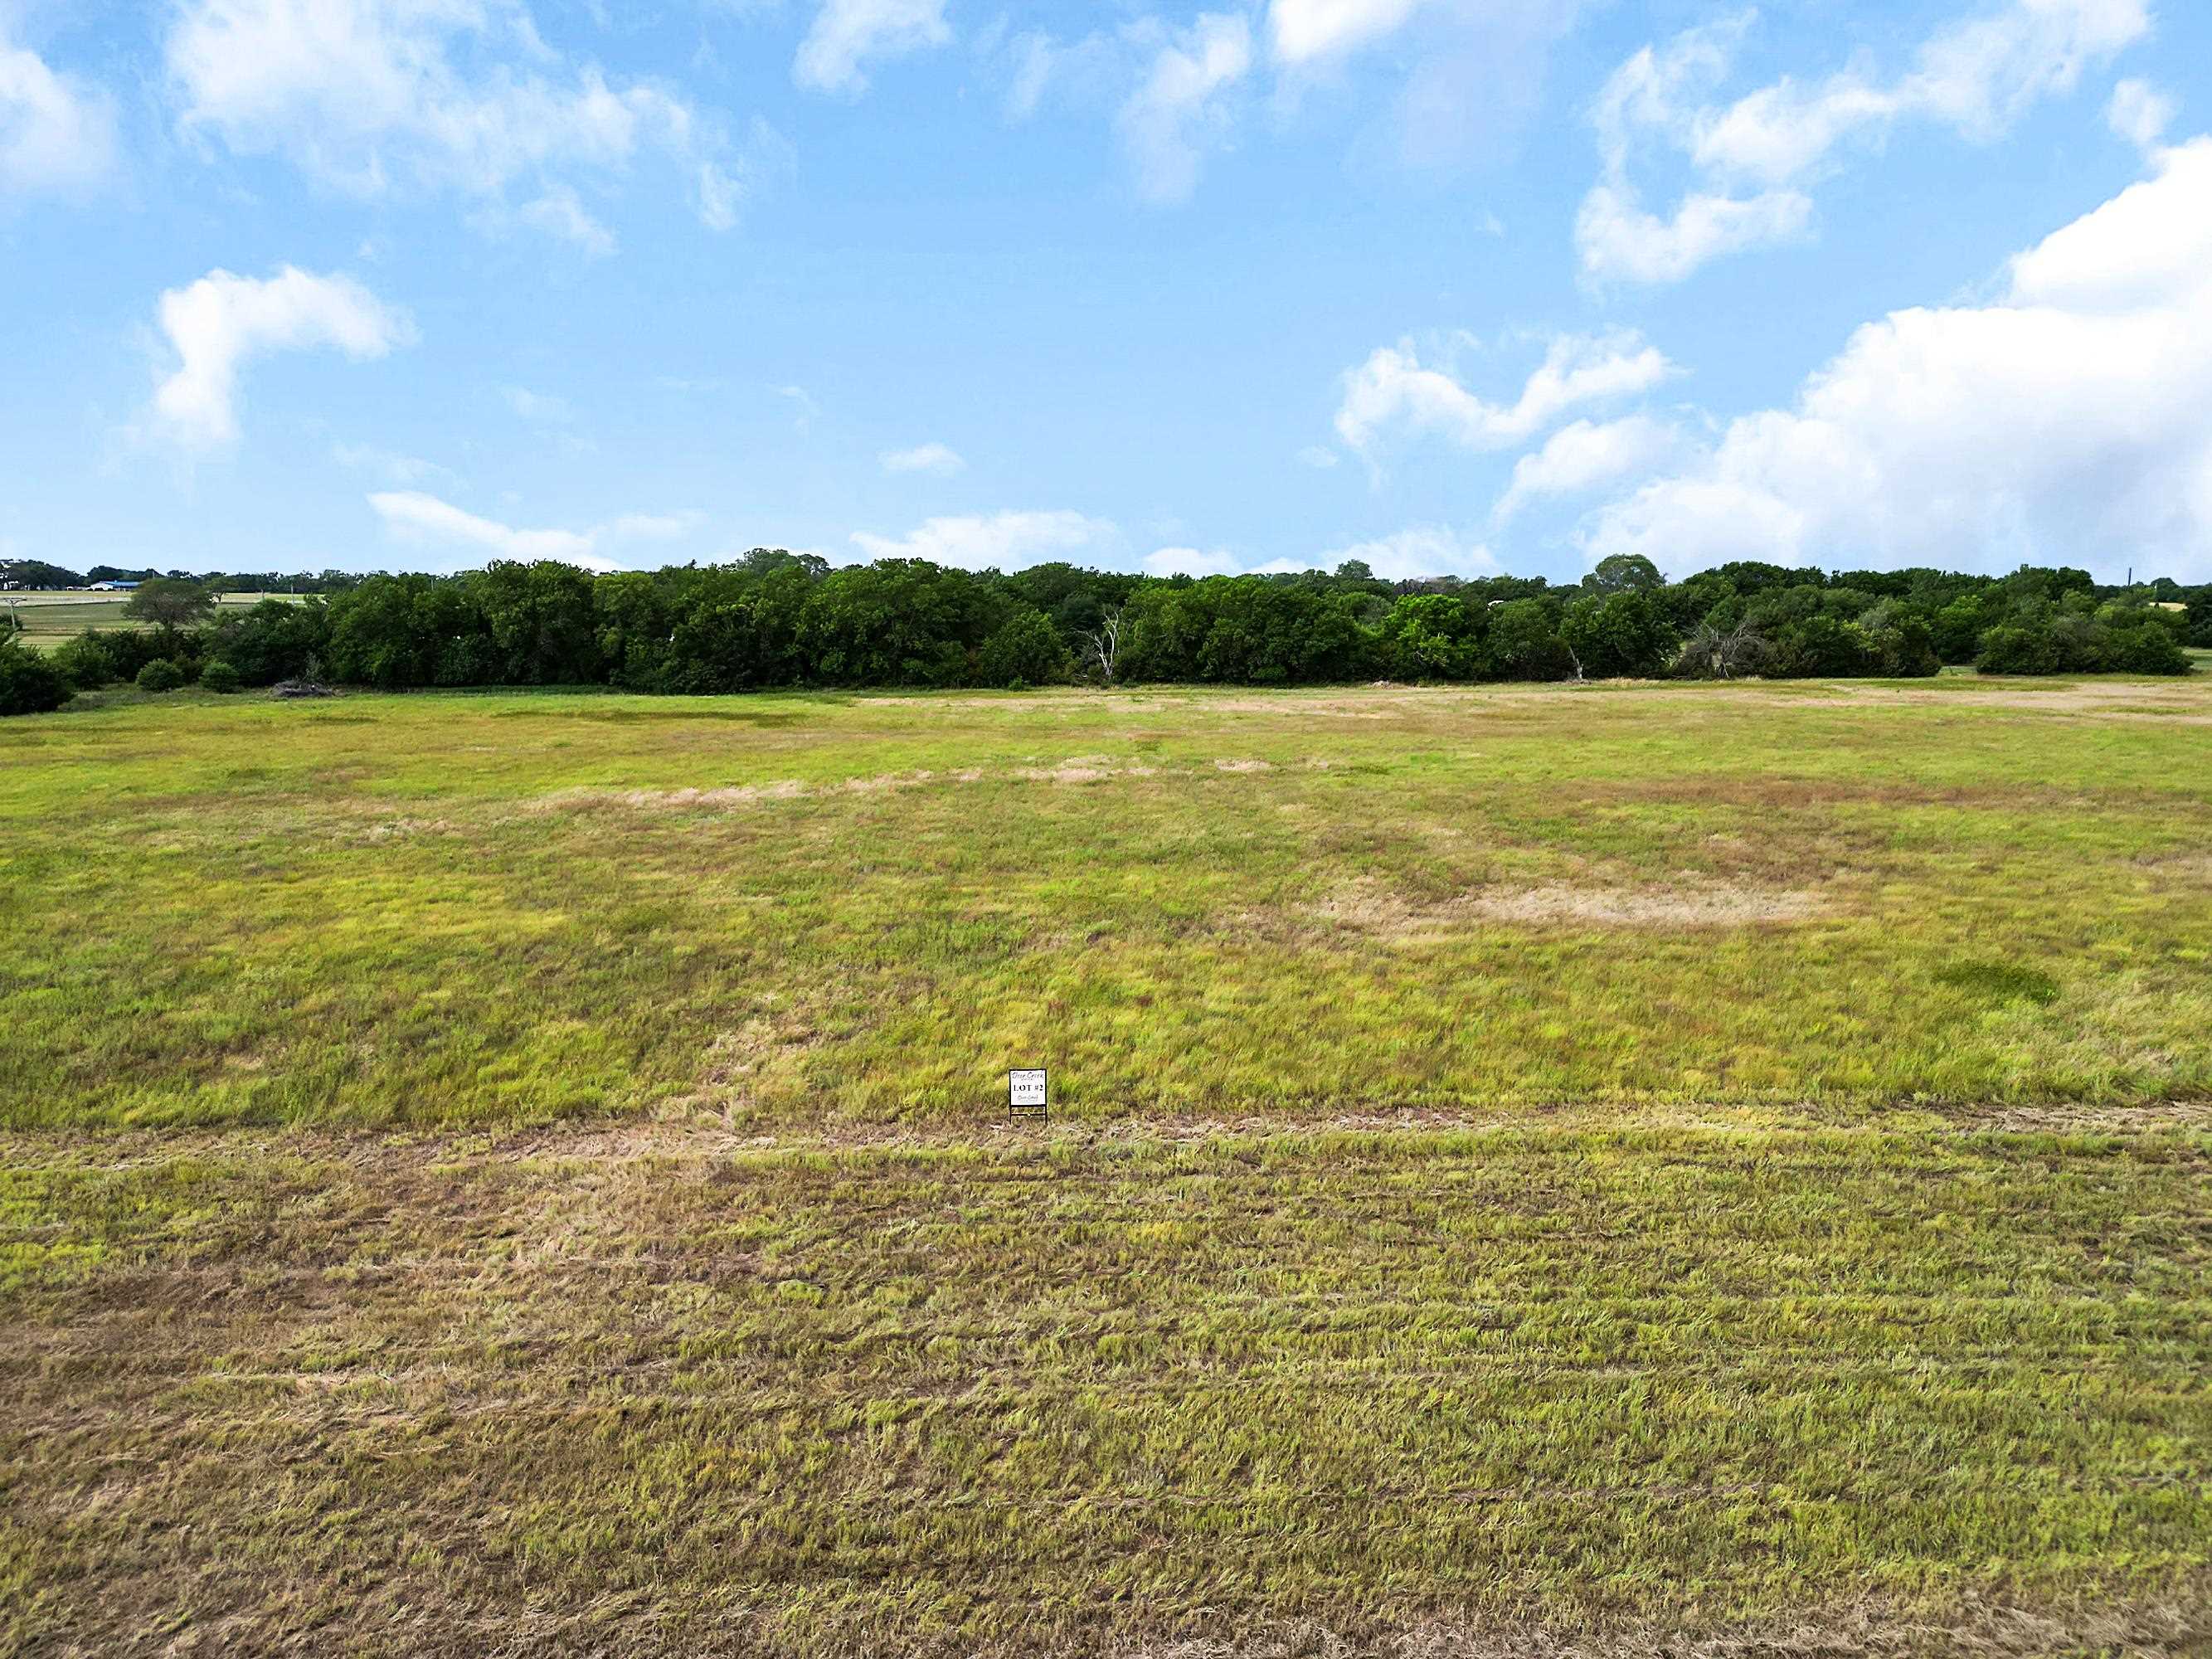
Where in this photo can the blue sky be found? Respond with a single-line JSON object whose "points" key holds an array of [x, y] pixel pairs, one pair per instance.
{"points": [[1442, 284]]}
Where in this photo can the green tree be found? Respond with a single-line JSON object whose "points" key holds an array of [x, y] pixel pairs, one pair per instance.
{"points": [[276, 640], [1622, 634], [1624, 572], [1431, 636], [29, 685], [1026, 650], [171, 606], [541, 622], [1524, 641]]}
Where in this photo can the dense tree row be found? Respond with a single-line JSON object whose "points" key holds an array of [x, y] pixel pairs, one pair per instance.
{"points": [[32, 574], [779, 619]]}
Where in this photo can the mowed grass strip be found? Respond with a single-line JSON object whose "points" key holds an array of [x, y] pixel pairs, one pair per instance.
{"points": [[618, 1393], [51, 617], [511, 910]]}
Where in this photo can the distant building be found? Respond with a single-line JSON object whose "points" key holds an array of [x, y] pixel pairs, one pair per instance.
{"points": [[113, 587]]}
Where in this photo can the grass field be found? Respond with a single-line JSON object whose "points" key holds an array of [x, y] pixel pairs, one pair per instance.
{"points": [[52, 618], [1611, 1170]]}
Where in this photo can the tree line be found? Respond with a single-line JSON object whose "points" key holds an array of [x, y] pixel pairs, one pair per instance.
{"points": [[774, 619]]}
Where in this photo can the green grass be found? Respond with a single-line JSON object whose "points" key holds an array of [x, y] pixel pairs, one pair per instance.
{"points": [[671, 1394], [1646, 1167], [510, 910], [54, 617]]}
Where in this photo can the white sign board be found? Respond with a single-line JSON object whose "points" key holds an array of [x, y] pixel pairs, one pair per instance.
{"points": [[1026, 1091]]}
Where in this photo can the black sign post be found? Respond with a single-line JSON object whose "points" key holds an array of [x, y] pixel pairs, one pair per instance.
{"points": [[1026, 1101]]}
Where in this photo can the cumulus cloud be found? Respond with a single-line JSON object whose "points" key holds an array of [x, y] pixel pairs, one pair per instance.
{"points": [[370, 95], [1617, 236], [559, 212], [942, 459], [1192, 562], [1393, 391], [1579, 458], [2140, 114], [421, 520], [221, 322], [1178, 111], [2068, 421], [1416, 554], [1754, 159], [1411, 555], [57, 131], [1304, 30], [1001, 541], [849, 34], [1467, 73]]}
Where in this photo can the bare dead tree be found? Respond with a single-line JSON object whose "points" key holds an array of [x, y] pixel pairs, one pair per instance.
{"points": [[1710, 655], [1102, 647]]}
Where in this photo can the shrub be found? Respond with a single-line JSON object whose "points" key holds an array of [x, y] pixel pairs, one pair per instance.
{"points": [[1025, 651], [85, 663], [219, 675], [29, 685], [160, 675], [2146, 648], [2012, 650], [274, 640]]}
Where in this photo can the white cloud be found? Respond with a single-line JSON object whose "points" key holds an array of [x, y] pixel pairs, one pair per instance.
{"points": [[1320, 457], [802, 400], [57, 131], [2070, 421], [1618, 237], [941, 459], [1392, 390], [2140, 114], [541, 407], [395, 468], [1471, 74], [1581, 457], [559, 212], [1192, 562], [1303, 30], [1177, 111], [370, 95], [1418, 553], [221, 322], [1411, 554], [1002, 541], [1755, 157], [848, 33], [425, 520]]}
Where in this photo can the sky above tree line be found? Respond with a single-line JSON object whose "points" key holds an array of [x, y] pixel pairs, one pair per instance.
{"points": [[1446, 285]]}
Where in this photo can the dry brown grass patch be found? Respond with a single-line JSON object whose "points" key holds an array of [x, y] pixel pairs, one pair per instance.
{"points": [[1974, 1629], [1371, 909]]}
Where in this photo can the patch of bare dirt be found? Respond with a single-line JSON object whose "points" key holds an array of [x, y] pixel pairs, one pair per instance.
{"points": [[1651, 907], [2071, 1118], [1972, 1629], [2180, 866], [1371, 909], [1083, 769], [407, 828]]}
